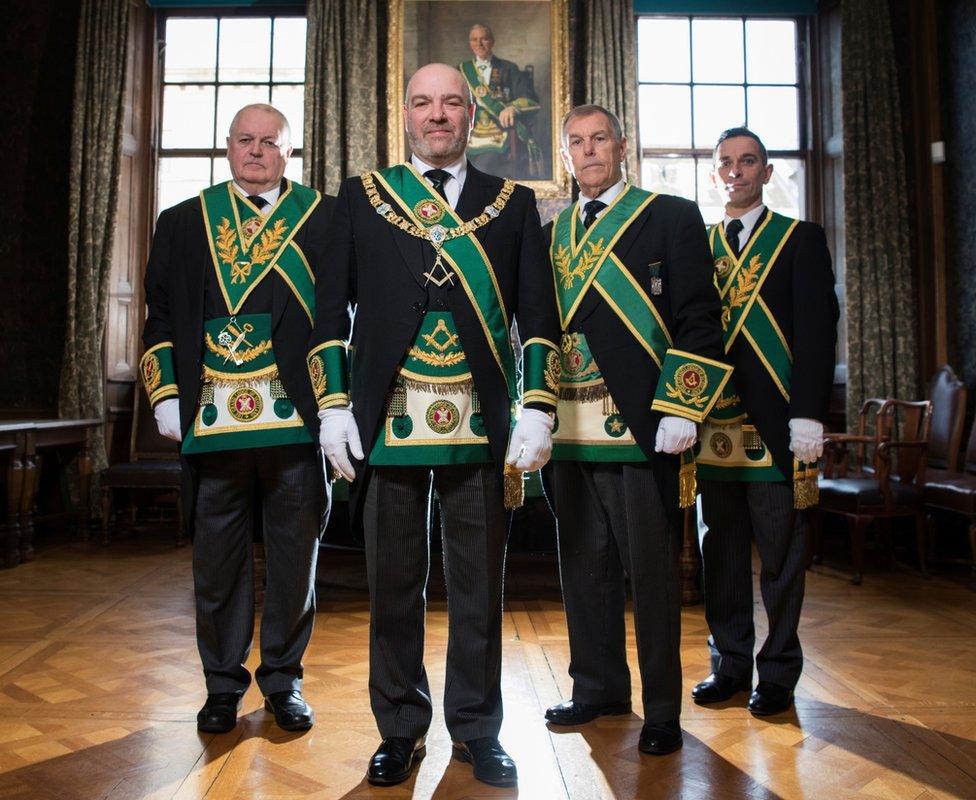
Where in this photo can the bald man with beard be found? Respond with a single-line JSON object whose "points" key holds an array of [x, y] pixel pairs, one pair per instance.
{"points": [[435, 259]]}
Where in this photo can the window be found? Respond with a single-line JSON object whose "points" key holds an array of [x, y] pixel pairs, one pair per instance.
{"points": [[211, 66], [700, 75]]}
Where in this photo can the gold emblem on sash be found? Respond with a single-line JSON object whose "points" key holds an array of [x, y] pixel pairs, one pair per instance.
{"points": [[742, 289], [429, 211], [480, 90], [692, 379], [443, 416], [722, 266], [569, 271], [228, 248]]}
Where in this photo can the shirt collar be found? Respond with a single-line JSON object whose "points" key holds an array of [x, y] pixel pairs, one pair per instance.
{"points": [[458, 169], [271, 195], [748, 220], [607, 196], [482, 63]]}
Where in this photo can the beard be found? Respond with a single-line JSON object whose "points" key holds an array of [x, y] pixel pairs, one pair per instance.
{"points": [[452, 148]]}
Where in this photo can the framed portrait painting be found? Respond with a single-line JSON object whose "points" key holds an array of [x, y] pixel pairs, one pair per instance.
{"points": [[514, 56]]}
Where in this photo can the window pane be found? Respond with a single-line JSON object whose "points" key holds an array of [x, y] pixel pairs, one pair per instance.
{"points": [[710, 202], [293, 169], [717, 50], [245, 49], [773, 115], [289, 49], [230, 100], [188, 113], [665, 116], [786, 190], [669, 175], [190, 52], [290, 101], [179, 179], [771, 51], [221, 170], [663, 50], [717, 108]]}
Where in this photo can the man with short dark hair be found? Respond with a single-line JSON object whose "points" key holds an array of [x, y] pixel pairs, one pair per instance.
{"points": [[757, 466], [641, 336], [435, 259], [230, 296]]}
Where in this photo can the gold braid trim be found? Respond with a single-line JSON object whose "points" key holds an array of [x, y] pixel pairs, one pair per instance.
{"points": [[464, 229], [228, 379], [462, 386], [583, 394]]}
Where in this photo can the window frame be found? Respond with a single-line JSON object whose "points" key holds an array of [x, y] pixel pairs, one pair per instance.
{"points": [[219, 150], [806, 103]]}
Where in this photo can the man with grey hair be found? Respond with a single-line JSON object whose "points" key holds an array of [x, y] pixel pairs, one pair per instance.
{"points": [[641, 336], [502, 141], [230, 296], [435, 258]]}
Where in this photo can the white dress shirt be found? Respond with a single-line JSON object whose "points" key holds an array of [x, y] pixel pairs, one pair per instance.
{"points": [[748, 220], [454, 184], [607, 196], [484, 70], [271, 196]]}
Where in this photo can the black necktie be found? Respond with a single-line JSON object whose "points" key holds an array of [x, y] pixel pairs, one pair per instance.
{"points": [[258, 201], [437, 178], [590, 210], [732, 235]]}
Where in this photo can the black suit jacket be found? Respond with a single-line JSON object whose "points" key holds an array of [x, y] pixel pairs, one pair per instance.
{"points": [[376, 273], [175, 275], [799, 292], [669, 234]]}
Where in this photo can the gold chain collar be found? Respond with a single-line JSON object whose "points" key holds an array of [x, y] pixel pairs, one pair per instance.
{"points": [[436, 234]]}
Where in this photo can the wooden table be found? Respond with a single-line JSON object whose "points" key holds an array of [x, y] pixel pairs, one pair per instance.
{"points": [[13, 449]]}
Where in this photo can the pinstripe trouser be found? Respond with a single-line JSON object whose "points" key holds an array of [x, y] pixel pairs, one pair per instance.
{"points": [[730, 513], [618, 520], [475, 525], [284, 485]]}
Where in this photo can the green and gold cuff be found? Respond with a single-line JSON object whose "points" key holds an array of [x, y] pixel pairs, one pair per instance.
{"points": [[689, 385], [158, 374], [328, 374], [540, 372]]}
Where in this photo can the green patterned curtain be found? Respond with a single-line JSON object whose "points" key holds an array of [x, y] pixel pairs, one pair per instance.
{"points": [[882, 329], [96, 153], [341, 64], [611, 68]]}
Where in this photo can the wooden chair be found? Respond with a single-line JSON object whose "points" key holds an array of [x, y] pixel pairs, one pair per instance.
{"points": [[877, 475], [153, 466], [955, 491]]}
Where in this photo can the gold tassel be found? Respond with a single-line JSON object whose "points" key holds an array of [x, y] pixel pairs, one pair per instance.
{"points": [[687, 480], [514, 487], [806, 489]]}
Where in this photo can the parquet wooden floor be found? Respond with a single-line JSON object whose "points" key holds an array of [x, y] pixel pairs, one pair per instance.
{"points": [[100, 684]]}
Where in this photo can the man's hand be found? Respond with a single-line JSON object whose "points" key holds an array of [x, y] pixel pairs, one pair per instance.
{"points": [[806, 439], [531, 442], [338, 429], [507, 117], [167, 413], [675, 435]]}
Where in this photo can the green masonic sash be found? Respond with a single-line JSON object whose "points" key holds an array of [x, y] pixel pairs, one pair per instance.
{"points": [[580, 263], [492, 105], [739, 282], [246, 246], [464, 254]]}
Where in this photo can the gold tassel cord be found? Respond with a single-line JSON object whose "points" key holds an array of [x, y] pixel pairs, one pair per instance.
{"points": [[806, 489], [514, 488], [687, 480]]}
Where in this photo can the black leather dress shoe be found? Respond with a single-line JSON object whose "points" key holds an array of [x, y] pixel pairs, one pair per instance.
{"points": [[572, 712], [661, 738], [219, 713], [716, 688], [290, 710], [770, 698], [394, 760], [492, 765]]}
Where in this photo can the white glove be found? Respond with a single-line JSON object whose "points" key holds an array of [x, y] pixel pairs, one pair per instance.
{"points": [[531, 442], [806, 439], [337, 430], [167, 413], [675, 435]]}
